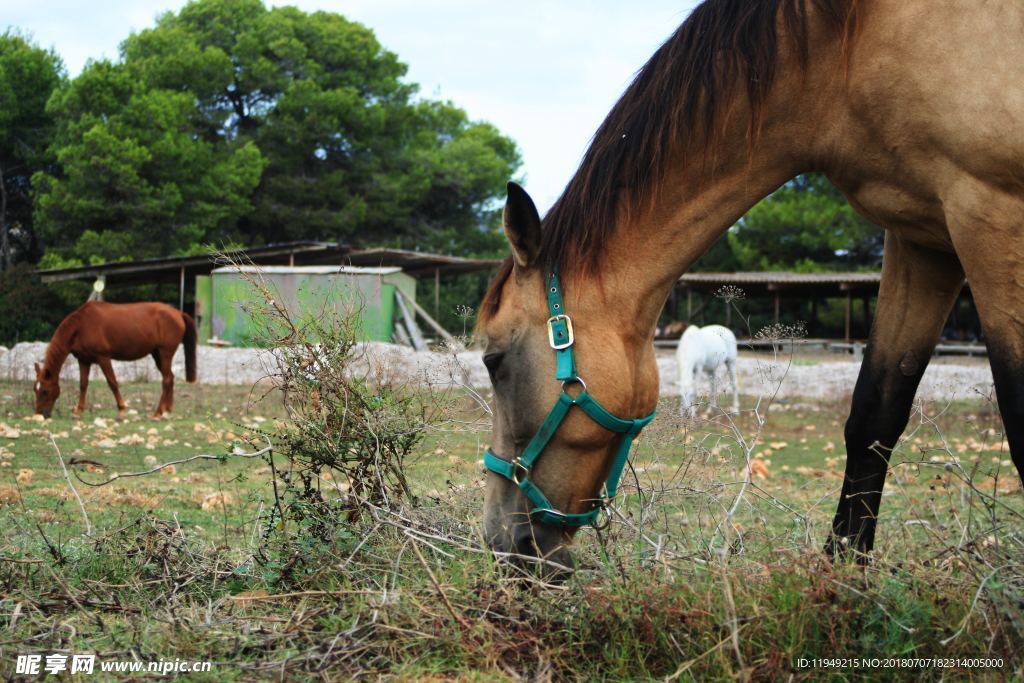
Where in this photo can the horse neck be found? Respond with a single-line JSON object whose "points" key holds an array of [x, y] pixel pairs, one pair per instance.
{"points": [[59, 347], [646, 257], [700, 198]]}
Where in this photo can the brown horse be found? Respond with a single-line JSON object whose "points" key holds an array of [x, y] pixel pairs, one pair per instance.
{"points": [[98, 332], [913, 108]]}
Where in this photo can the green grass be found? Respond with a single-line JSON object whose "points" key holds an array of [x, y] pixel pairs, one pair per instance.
{"points": [[672, 588]]}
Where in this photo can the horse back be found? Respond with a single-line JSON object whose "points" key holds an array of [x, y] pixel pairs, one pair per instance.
{"points": [[706, 347], [929, 126], [125, 331]]}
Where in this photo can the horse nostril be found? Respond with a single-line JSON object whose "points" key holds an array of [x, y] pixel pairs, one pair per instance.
{"points": [[525, 543]]}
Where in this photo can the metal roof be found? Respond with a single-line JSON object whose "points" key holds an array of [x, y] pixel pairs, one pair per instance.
{"points": [[308, 270], [175, 268], [169, 269], [418, 263], [784, 277], [784, 281]]}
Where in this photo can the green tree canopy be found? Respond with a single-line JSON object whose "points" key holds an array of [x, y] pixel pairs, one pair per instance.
{"points": [[134, 180], [805, 225], [230, 121], [28, 76]]}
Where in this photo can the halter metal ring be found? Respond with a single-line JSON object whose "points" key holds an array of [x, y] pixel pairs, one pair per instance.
{"points": [[574, 380], [518, 467], [607, 519]]}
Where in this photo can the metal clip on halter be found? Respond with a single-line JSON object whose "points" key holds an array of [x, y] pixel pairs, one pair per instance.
{"points": [[561, 337], [517, 467]]}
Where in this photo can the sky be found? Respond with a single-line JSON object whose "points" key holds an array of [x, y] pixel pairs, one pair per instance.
{"points": [[544, 72]]}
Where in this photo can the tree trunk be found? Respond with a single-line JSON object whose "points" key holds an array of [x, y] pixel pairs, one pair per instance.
{"points": [[5, 244]]}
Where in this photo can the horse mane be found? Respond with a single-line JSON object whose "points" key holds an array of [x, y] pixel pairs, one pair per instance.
{"points": [[684, 88], [683, 91]]}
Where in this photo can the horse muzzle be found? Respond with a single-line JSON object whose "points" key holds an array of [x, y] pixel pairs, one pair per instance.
{"points": [[528, 545]]}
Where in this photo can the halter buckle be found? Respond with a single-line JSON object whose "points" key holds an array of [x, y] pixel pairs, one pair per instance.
{"points": [[558, 346]]}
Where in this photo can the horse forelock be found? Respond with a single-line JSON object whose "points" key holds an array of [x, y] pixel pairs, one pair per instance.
{"points": [[684, 89]]}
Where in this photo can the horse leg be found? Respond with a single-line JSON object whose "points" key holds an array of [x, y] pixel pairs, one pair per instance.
{"points": [[691, 393], [108, 371], [165, 359], [682, 394], [730, 367], [713, 377], [83, 385], [917, 292], [998, 291]]}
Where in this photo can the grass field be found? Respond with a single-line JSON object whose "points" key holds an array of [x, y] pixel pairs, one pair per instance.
{"points": [[176, 563]]}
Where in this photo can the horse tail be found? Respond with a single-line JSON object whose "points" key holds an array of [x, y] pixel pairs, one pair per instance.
{"points": [[189, 341]]}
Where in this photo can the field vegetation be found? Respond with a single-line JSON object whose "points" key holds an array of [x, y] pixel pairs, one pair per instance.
{"points": [[711, 566]]}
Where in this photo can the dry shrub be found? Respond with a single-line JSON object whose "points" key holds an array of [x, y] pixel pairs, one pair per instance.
{"points": [[348, 432], [218, 500], [122, 495], [9, 495]]}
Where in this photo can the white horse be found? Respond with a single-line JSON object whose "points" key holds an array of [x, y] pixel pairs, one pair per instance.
{"points": [[705, 349]]}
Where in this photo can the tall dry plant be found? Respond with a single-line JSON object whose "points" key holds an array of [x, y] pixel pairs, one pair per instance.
{"points": [[351, 422]]}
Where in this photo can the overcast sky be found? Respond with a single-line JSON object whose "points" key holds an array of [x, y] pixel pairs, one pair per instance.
{"points": [[545, 73]]}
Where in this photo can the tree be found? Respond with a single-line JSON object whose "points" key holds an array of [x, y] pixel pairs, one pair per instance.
{"points": [[28, 76], [29, 310], [232, 121], [134, 179], [805, 225]]}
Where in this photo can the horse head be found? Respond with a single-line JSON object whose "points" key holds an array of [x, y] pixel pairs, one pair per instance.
{"points": [[563, 371], [47, 388]]}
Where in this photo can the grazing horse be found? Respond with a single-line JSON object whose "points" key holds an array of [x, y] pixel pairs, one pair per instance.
{"points": [[912, 108], [97, 332], [702, 350]]}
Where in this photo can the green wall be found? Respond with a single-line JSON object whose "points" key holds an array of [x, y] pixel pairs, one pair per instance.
{"points": [[225, 299]]}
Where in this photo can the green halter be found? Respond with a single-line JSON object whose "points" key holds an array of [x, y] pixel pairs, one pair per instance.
{"points": [[561, 339]]}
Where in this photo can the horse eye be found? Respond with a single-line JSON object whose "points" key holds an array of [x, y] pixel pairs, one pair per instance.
{"points": [[493, 361]]}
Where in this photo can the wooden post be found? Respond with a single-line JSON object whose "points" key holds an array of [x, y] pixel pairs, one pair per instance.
{"points": [[814, 317], [402, 301], [849, 307], [776, 307], [689, 304], [437, 292], [400, 334], [418, 342], [291, 259], [181, 290]]}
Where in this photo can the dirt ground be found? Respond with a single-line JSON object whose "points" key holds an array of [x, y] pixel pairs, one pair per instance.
{"points": [[805, 374]]}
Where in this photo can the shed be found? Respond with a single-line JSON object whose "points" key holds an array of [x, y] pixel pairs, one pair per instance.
{"points": [[223, 296]]}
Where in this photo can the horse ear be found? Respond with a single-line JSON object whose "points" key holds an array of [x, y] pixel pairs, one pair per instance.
{"points": [[39, 371], [522, 226]]}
